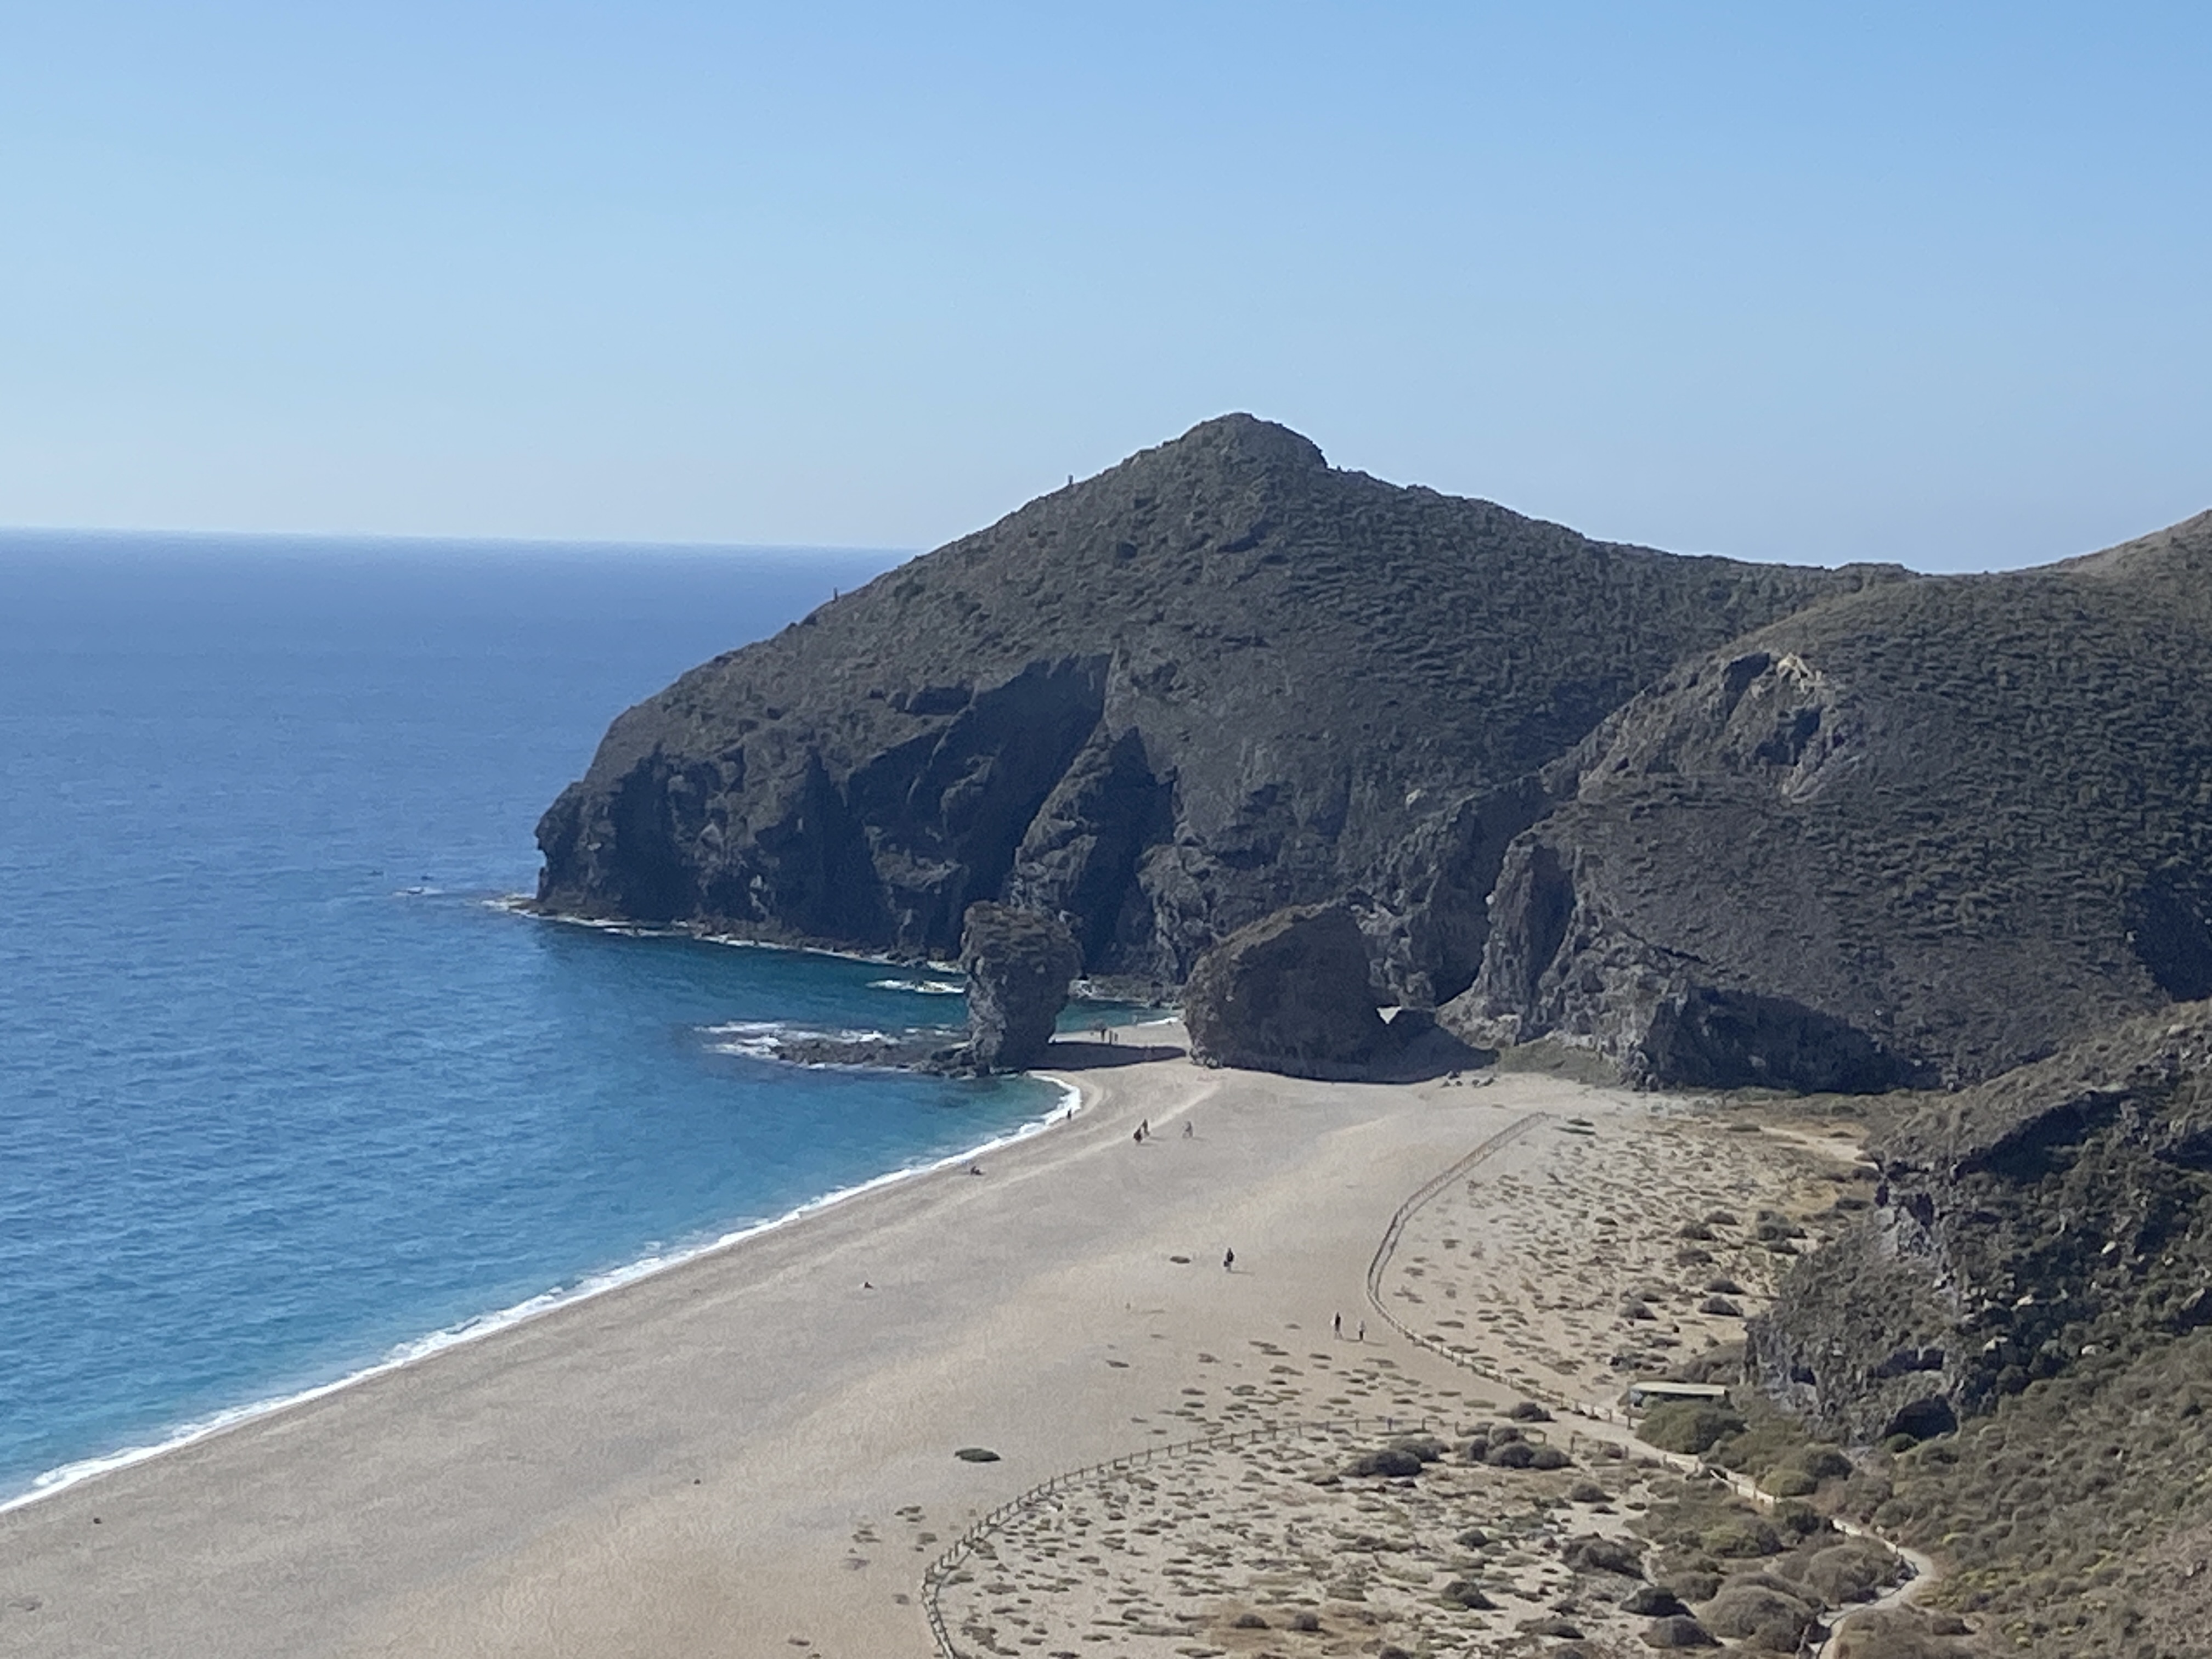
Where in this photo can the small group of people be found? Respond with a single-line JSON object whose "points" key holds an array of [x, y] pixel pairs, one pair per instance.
{"points": [[1145, 1130], [1336, 1325]]}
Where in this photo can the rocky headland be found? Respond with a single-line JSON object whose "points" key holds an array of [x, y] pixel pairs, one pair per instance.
{"points": [[1219, 678], [1721, 824]]}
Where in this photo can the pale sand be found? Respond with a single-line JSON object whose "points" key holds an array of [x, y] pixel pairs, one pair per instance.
{"points": [[1523, 1261], [752, 1454], [1561, 1264], [1166, 1559]]}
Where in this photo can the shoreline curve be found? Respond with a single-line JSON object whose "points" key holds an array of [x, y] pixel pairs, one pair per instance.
{"points": [[415, 1351]]}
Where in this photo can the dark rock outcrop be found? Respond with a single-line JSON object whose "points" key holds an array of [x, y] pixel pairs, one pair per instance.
{"points": [[1290, 993], [2064, 1210], [1219, 678], [1922, 833], [917, 1051], [1019, 965]]}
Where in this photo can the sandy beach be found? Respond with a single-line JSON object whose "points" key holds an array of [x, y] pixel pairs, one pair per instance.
{"points": [[754, 1453]]}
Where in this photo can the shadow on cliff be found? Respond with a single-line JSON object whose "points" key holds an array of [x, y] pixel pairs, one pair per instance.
{"points": [[1082, 1054]]}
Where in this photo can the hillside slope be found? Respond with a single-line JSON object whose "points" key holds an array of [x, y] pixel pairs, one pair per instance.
{"points": [[1219, 678], [1917, 834], [2037, 1269]]}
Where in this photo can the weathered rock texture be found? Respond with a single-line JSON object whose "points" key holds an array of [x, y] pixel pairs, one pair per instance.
{"points": [[2064, 1210], [1160, 704], [1019, 965], [1921, 833], [1290, 993]]}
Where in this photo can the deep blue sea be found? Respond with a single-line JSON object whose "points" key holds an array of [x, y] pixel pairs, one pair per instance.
{"points": [[284, 1093]]}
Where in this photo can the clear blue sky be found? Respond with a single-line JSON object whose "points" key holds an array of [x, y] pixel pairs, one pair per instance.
{"points": [[1929, 282]]}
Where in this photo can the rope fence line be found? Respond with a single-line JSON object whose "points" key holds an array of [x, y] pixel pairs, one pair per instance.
{"points": [[940, 1571], [1395, 1229]]}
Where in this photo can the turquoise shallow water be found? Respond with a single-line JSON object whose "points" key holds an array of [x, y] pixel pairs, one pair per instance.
{"points": [[283, 1091]]}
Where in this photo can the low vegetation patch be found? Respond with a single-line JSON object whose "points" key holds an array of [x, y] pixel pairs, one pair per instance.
{"points": [[2075, 1519]]}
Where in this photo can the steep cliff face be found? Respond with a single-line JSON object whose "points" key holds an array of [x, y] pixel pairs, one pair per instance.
{"points": [[1220, 678], [1921, 833], [2061, 1212]]}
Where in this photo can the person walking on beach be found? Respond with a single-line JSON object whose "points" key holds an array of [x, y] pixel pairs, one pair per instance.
{"points": [[1336, 1324], [1362, 1330], [1187, 1129], [1229, 1261]]}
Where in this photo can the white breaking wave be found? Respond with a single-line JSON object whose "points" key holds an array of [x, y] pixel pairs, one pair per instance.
{"points": [[522, 904], [765, 1039], [928, 987]]}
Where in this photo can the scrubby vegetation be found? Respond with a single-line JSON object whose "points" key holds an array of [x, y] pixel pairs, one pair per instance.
{"points": [[1923, 832], [2076, 1519], [2022, 1328], [1691, 1427], [1721, 1568]]}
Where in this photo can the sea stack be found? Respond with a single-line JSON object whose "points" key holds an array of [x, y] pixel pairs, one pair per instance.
{"points": [[1019, 964]]}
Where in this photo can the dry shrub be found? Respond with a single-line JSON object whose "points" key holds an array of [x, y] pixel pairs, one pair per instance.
{"points": [[1742, 1539], [1852, 1571], [1895, 1633], [1824, 1462], [1592, 1553], [1679, 1631], [1766, 1617], [1689, 1427], [1384, 1460]]}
